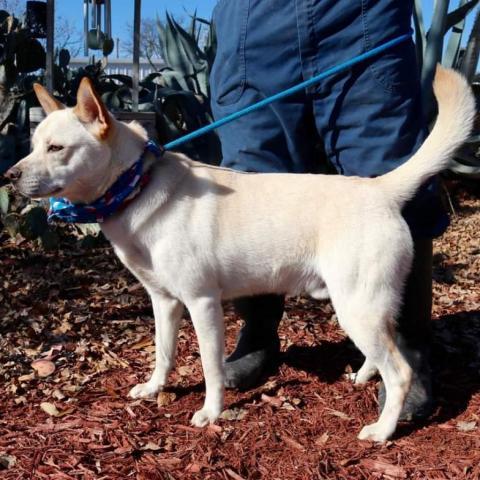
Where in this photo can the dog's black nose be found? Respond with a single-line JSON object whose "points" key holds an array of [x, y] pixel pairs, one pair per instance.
{"points": [[13, 174]]}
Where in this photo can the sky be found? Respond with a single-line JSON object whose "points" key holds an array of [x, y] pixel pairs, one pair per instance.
{"points": [[122, 11]]}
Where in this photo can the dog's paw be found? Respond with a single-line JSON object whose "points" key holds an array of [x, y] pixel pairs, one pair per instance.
{"points": [[366, 372], [203, 417], [373, 432], [357, 378], [145, 390], [352, 377]]}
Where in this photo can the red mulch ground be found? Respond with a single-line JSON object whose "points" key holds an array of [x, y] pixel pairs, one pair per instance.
{"points": [[85, 316]]}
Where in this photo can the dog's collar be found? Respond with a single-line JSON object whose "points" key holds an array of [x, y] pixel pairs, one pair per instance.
{"points": [[128, 185]]}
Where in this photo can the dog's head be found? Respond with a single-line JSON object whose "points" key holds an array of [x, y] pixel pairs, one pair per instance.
{"points": [[71, 149]]}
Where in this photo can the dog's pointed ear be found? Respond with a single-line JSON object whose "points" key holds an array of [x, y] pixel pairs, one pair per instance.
{"points": [[90, 108], [48, 102]]}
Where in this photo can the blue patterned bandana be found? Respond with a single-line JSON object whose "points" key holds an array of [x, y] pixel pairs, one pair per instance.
{"points": [[128, 185]]}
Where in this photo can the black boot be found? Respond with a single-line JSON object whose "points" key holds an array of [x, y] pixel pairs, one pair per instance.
{"points": [[414, 334], [258, 346]]}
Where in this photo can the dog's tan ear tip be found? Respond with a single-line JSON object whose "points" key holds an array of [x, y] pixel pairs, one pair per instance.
{"points": [[85, 82], [38, 87]]}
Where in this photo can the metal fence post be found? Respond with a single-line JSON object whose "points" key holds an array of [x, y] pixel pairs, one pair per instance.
{"points": [[136, 53], [50, 44]]}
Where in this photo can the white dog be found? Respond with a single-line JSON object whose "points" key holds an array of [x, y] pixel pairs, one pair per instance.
{"points": [[197, 234]]}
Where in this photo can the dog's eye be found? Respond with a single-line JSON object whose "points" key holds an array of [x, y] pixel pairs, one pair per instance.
{"points": [[54, 148]]}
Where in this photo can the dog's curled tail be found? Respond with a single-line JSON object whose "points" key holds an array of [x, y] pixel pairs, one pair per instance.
{"points": [[456, 112]]}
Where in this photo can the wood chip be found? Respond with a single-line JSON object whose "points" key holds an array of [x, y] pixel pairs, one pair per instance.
{"points": [[292, 443], [233, 475]]}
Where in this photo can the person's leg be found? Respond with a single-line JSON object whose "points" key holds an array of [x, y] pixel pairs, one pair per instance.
{"points": [[371, 121], [258, 56], [258, 345]]}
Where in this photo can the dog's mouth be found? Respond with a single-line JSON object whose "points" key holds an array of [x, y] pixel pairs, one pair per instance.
{"points": [[54, 192], [37, 191]]}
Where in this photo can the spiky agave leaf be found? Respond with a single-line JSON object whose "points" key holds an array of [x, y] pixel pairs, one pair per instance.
{"points": [[175, 55], [191, 49], [194, 30], [174, 79], [472, 51], [450, 57]]}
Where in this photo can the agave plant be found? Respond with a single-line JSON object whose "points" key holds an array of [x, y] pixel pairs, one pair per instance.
{"points": [[430, 51], [188, 64], [182, 94]]}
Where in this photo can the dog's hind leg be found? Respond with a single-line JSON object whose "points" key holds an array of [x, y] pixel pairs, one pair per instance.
{"points": [[168, 313], [370, 325], [366, 372], [397, 375], [207, 318]]}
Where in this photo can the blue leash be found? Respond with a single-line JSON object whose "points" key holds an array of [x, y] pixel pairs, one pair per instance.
{"points": [[119, 194], [289, 91]]}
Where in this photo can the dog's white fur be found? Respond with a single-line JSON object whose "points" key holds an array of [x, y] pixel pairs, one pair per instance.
{"points": [[198, 234]]}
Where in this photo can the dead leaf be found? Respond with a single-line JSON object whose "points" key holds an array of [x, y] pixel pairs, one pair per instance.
{"points": [[7, 461], [322, 440], [466, 426], [233, 414], [52, 353], [338, 414], [144, 342], [384, 467], [26, 378], [275, 401], [185, 370], [58, 394], [64, 327], [50, 409], [169, 462], [193, 468], [165, 398], [151, 446], [44, 368]]}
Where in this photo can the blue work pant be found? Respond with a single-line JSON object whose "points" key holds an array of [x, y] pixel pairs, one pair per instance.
{"points": [[369, 118]]}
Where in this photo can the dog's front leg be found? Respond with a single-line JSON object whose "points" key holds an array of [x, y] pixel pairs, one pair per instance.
{"points": [[207, 318], [168, 313]]}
